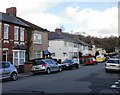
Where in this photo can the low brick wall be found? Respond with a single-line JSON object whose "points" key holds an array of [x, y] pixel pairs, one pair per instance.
{"points": [[27, 68]]}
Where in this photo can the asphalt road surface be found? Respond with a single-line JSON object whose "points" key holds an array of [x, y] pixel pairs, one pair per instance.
{"points": [[86, 79]]}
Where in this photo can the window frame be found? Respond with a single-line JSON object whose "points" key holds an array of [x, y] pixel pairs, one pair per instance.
{"points": [[7, 32], [37, 38], [22, 34], [37, 53], [17, 36]]}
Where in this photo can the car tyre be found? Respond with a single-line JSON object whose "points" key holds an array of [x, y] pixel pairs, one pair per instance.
{"points": [[48, 71], [78, 66], [34, 73], [74, 67], [14, 76], [106, 70]]}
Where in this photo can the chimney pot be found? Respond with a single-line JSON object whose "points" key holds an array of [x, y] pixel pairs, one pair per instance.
{"points": [[58, 30], [11, 11]]}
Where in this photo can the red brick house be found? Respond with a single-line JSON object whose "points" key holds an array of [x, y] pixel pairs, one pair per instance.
{"points": [[13, 37]]}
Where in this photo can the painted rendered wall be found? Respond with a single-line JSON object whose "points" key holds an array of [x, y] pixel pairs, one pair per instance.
{"points": [[59, 48]]}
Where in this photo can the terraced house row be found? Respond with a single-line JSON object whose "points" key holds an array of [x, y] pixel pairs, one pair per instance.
{"points": [[21, 41]]}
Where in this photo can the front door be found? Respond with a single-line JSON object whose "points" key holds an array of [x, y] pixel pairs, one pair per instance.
{"points": [[4, 58]]}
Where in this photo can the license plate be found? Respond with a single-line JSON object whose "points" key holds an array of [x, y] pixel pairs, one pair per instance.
{"points": [[36, 68]]}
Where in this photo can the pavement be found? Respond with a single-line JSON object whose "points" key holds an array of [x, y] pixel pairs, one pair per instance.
{"points": [[20, 75]]}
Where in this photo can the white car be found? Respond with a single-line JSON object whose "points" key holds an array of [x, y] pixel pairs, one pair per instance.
{"points": [[112, 64], [7, 70]]}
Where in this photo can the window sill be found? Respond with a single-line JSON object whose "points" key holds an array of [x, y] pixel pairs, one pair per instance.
{"points": [[38, 43]]}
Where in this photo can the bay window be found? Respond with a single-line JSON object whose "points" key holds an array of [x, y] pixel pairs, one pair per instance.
{"points": [[22, 57], [18, 57]]}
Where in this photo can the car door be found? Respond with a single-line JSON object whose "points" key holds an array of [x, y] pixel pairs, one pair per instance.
{"points": [[72, 63], [6, 69], [1, 71], [50, 64], [55, 65]]}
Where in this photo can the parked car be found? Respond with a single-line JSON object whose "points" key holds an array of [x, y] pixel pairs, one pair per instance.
{"points": [[100, 58], [7, 70], [113, 64], [62, 65], [45, 65], [91, 61], [107, 57], [70, 64]]}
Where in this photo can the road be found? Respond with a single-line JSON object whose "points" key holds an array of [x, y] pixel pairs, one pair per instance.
{"points": [[86, 79]]}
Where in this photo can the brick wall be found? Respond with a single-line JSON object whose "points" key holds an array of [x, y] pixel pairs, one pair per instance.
{"points": [[10, 45]]}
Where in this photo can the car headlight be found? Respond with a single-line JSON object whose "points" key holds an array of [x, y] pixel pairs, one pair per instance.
{"points": [[67, 64]]}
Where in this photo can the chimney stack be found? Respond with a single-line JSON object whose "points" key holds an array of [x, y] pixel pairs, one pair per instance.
{"points": [[58, 30], [11, 11]]}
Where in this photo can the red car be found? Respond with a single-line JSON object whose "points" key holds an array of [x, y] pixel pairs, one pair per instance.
{"points": [[91, 61]]}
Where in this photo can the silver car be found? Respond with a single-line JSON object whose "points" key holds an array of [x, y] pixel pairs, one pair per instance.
{"points": [[45, 65], [112, 64], [7, 70]]}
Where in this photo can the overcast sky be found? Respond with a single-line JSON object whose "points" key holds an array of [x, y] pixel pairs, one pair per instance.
{"points": [[74, 16]]}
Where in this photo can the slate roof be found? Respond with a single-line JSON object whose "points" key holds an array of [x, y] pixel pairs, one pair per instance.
{"points": [[65, 36], [19, 21], [54, 35], [33, 26], [11, 19]]}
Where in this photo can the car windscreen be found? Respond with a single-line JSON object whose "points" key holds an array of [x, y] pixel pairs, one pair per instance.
{"points": [[67, 61], [89, 59], [38, 62], [113, 61]]}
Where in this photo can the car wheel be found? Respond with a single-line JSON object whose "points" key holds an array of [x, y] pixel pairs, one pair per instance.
{"points": [[60, 69], [106, 70], [74, 67], [34, 73], [14, 76], [77, 67], [48, 71]]}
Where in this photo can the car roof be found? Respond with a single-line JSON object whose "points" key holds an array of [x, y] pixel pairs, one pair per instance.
{"points": [[114, 59]]}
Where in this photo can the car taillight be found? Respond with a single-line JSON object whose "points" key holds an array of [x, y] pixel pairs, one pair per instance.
{"points": [[119, 66], [43, 65]]}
